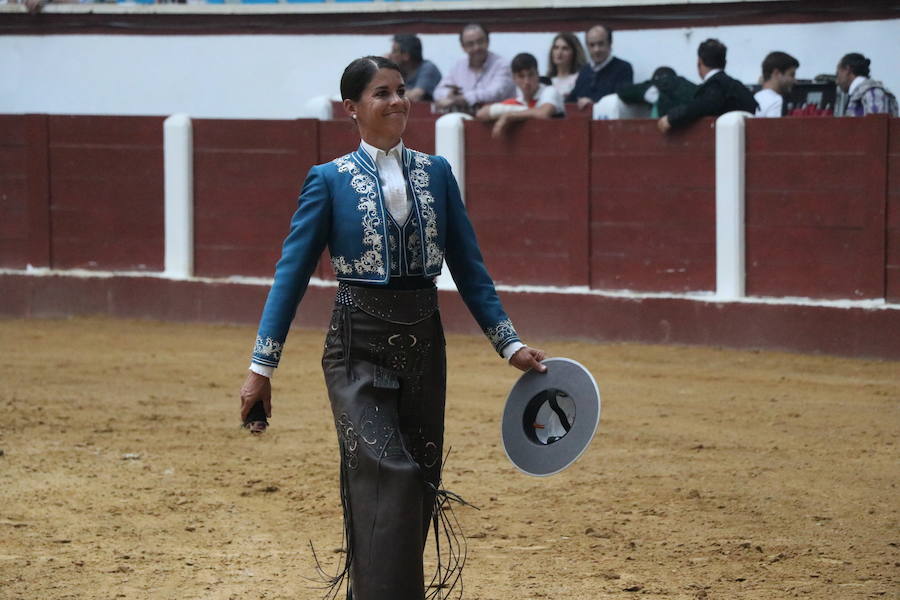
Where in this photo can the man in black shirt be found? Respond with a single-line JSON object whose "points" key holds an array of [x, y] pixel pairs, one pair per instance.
{"points": [[604, 74], [717, 95]]}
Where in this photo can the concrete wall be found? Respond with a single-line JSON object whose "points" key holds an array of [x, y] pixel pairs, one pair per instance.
{"points": [[270, 76]]}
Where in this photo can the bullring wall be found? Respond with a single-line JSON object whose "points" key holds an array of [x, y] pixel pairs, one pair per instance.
{"points": [[604, 206]]}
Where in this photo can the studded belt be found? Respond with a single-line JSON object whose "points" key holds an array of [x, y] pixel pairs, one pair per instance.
{"points": [[404, 307]]}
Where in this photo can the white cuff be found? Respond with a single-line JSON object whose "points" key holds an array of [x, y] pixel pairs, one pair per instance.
{"points": [[498, 108], [510, 349], [651, 96], [263, 370]]}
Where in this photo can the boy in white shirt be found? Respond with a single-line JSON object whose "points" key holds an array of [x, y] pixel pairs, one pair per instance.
{"points": [[779, 74], [534, 100]]}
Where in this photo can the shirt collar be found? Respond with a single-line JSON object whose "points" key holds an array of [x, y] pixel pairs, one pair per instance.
{"points": [[597, 67], [375, 153], [537, 94], [857, 81], [710, 74]]}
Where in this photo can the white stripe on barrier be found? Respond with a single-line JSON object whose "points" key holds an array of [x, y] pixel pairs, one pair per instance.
{"points": [[706, 297]]}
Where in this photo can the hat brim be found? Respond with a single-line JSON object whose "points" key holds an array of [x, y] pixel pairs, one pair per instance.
{"points": [[543, 459]]}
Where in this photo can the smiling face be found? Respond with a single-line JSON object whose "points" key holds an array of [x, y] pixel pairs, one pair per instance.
{"points": [[562, 55], [598, 44], [784, 82], [382, 109], [475, 43]]}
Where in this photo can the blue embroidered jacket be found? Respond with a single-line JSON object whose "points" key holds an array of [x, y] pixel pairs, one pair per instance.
{"points": [[341, 205]]}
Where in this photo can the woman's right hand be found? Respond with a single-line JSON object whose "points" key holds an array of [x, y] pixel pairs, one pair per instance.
{"points": [[256, 388]]}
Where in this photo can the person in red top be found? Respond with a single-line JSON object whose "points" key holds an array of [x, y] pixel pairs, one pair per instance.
{"points": [[534, 100]]}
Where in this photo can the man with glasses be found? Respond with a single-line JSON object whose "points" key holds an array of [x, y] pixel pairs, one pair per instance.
{"points": [[481, 77]]}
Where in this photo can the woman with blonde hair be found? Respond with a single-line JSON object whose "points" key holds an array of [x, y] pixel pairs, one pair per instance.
{"points": [[565, 59]]}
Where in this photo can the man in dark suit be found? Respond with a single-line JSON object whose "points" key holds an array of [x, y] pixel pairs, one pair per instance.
{"points": [[604, 74], [717, 95]]}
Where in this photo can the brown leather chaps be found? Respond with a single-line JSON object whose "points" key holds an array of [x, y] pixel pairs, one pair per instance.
{"points": [[385, 369]]}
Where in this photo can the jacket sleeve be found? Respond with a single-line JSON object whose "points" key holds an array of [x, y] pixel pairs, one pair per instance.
{"points": [[299, 256], [582, 81], [625, 77], [710, 100], [634, 94], [470, 273], [443, 87]]}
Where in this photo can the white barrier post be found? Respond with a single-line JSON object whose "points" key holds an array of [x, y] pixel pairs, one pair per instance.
{"points": [[318, 107], [450, 142], [730, 238], [178, 160]]}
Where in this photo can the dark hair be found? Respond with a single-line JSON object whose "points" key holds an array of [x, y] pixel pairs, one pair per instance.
{"points": [[712, 53], [857, 63], [473, 26], [410, 43], [605, 28], [523, 61], [778, 61], [360, 72], [578, 58], [663, 73]]}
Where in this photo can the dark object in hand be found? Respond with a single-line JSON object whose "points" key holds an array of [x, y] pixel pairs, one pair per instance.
{"points": [[256, 420]]}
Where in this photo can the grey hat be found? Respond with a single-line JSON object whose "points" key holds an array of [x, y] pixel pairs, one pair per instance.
{"points": [[550, 418]]}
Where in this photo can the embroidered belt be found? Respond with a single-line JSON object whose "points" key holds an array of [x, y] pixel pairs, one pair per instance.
{"points": [[404, 307]]}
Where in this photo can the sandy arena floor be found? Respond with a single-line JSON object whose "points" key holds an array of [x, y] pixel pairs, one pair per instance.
{"points": [[715, 473]]}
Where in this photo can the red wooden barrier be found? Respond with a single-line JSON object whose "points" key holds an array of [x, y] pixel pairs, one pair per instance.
{"points": [[892, 233], [106, 187], [815, 202], [247, 175], [526, 194], [13, 192], [652, 207]]}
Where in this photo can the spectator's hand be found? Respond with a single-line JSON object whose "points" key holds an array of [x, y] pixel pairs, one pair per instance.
{"points": [[500, 126], [584, 102], [454, 101], [527, 358], [35, 6], [483, 113], [256, 387], [663, 125]]}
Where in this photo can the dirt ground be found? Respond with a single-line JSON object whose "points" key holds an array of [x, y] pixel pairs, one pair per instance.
{"points": [[715, 473]]}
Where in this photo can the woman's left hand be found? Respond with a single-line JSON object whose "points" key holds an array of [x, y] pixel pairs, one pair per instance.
{"points": [[527, 358]]}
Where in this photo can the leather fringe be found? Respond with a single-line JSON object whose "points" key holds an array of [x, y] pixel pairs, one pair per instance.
{"points": [[450, 562]]}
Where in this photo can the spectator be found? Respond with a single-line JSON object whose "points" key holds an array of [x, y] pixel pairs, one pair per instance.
{"points": [[421, 76], [605, 74], [864, 96], [663, 91], [717, 95], [565, 61], [480, 78], [779, 71], [534, 100]]}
